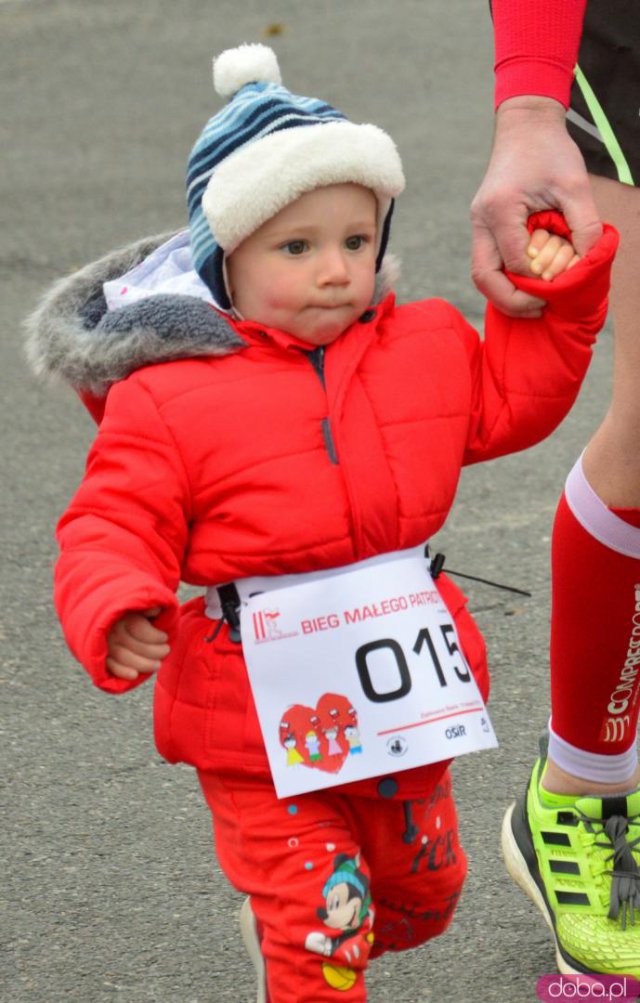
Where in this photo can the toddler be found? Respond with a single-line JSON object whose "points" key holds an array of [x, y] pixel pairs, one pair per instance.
{"points": [[275, 429]]}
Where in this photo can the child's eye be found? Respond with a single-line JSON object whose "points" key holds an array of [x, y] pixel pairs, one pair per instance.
{"points": [[296, 247], [355, 242]]}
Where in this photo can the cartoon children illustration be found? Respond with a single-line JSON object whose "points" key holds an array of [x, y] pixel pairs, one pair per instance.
{"points": [[312, 743], [289, 741], [352, 736], [333, 746], [315, 737], [347, 914]]}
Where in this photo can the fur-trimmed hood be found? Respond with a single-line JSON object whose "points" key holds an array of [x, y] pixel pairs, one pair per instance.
{"points": [[74, 336]]}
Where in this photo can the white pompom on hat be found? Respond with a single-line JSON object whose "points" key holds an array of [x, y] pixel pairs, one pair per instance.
{"points": [[264, 150], [248, 64]]}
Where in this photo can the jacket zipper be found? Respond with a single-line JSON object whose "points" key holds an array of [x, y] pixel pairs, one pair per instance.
{"points": [[316, 357]]}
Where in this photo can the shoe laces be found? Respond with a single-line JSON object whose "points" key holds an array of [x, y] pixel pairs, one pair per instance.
{"points": [[624, 894]]}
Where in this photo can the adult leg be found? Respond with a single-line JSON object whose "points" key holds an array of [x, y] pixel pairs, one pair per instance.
{"points": [[612, 462], [595, 654], [573, 843]]}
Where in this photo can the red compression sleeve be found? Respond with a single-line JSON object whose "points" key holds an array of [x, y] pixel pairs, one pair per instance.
{"points": [[536, 47], [595, 682]]}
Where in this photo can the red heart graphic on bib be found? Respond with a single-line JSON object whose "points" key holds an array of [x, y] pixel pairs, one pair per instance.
{"points": [[321, 737]]}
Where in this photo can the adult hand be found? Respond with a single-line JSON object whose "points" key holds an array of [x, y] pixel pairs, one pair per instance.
{"points": [[534, 165], [134, 645]]}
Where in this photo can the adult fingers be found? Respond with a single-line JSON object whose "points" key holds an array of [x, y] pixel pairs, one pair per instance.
{"points": [[488, 275], [499, 217]]}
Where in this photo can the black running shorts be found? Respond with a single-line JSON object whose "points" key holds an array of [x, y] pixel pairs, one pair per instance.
{"points": [[604, 118]]}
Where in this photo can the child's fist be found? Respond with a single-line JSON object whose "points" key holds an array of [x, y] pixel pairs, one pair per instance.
{"points": [[550, 255], [134, 645]]}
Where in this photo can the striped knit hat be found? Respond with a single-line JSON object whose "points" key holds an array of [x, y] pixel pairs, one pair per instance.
{"points": [[264, 150]]}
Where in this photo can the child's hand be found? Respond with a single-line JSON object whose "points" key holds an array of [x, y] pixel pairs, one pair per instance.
{"points": [[134, 645], [550, 255]]}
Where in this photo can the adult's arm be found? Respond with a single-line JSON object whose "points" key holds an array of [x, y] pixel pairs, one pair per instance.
{"points": [[536, 47], [534, 164]]}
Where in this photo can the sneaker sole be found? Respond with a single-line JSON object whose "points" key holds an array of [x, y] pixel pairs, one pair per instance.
{"points": [[519, 871], [251, 941]]}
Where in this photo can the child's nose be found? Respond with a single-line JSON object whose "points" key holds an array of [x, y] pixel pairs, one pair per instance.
{"points": [[333, 268]]}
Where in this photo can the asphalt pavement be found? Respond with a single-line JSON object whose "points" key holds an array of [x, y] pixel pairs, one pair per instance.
{"points": [[110, 886]]}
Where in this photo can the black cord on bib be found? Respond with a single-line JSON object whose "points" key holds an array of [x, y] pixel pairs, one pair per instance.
{"points": [[437, 564], [485, 581]]}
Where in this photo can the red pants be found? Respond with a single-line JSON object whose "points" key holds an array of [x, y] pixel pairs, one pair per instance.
{"points": [[335, 880]]}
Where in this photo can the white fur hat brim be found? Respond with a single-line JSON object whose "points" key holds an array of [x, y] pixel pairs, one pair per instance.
{"points": [[262, 177]]}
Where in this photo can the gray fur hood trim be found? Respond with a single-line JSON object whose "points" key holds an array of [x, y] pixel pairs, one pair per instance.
{"points": [[72, 336]]}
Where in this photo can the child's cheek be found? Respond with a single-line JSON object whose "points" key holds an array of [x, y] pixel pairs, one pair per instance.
{"points": [[279, 293]]}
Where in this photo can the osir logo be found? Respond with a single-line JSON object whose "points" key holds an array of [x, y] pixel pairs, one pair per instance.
{"points": [[455, 731]]}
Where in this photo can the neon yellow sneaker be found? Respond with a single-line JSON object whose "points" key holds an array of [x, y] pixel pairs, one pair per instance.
{"points": [[578, 861]]}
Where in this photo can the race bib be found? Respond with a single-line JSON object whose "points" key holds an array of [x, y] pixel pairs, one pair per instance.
{"points": [[359, 673]]}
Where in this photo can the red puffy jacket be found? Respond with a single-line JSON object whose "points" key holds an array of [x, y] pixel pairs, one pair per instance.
{"points": [[259, 462]]}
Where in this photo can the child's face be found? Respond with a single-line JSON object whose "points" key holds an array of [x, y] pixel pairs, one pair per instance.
{"points": [[310, 270]]}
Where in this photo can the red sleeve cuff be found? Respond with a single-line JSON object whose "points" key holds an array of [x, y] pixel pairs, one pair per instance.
{"points": [[536, 47], [527, 75]]}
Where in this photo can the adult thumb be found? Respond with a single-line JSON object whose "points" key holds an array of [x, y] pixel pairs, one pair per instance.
{"points": [[584, 222]]}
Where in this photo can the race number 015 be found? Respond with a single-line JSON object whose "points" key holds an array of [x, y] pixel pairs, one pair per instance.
{"points": [[423, 640]]}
